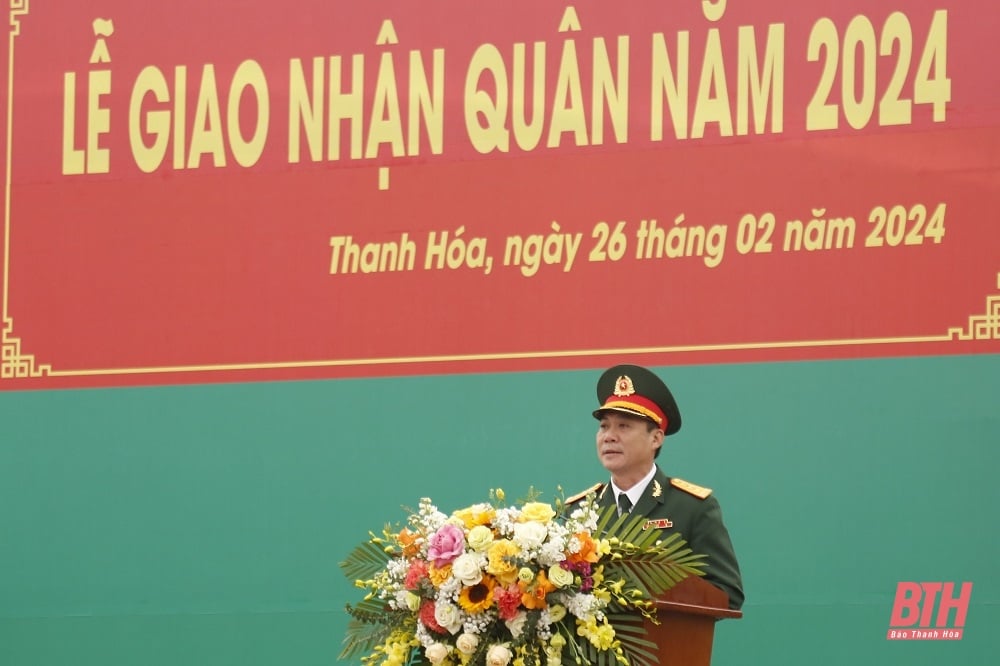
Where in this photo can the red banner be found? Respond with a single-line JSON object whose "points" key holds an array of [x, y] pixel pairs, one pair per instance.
{"points": [[225, 191]]}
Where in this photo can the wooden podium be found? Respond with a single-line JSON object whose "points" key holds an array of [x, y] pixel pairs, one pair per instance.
{"points": [[687, 614]]}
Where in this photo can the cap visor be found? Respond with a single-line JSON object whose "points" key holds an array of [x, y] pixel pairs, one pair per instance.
{"points": [[599, 413]]}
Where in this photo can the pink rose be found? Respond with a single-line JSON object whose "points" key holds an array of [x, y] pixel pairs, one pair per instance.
{"points": [[446, 544]]}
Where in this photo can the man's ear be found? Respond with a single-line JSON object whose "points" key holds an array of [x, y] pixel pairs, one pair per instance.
{"points": [[658, 437]]}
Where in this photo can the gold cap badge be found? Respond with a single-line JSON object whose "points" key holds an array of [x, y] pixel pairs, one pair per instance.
{"points": [[624, 386]]}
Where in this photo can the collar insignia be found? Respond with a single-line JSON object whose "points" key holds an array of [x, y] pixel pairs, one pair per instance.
{"points": [[657, 489], [658, 523], [624, 386]]}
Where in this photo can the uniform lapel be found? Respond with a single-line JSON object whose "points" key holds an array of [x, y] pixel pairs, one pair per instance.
{"points": [[605, 496], [653, 496]]}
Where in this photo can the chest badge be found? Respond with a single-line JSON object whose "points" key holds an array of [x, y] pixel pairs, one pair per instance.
{"points": [[658, 523]]}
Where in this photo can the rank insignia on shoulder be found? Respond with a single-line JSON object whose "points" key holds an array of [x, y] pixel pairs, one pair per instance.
{"points": [[698, 491], [658, 523], [572, 499]]}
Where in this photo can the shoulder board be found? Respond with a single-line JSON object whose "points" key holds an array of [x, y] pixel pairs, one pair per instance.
{"points": [[690, 488], [579, 496]]}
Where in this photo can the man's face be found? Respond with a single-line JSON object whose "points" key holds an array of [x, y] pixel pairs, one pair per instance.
{"points": [[626, 445]]}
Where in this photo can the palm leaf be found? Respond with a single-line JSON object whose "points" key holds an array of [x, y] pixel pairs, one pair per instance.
{"points": [[371, 624], [630, 631], [361, 638], [366, 560], [648, 562]]}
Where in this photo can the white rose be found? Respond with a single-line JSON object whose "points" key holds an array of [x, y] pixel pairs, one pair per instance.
{"points": [[412, 602], [498, 655], [448, 617], [516, 624], [467, 569], [436, 653], [530, 535], [467, 643], [479, 537]]}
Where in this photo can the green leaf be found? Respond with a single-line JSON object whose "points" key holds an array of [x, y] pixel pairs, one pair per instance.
{"points": [[631, 632], [366, 560], [370, 625]]}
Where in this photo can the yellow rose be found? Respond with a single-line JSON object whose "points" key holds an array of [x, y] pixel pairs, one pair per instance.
{"points": [[478, 514], [536, 511]]}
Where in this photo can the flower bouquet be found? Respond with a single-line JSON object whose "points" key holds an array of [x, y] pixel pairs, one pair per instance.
{"points": [[493, 584]]}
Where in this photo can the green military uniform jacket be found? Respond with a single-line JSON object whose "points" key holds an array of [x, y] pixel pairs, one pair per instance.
{"points": [[683, 507]]}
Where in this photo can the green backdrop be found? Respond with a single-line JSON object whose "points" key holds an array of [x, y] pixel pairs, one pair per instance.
{"points": [[190, 525]]}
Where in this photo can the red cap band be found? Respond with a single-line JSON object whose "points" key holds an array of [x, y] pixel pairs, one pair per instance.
{"points": [[636, 403]]}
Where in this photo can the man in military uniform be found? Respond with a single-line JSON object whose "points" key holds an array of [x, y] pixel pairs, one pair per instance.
{"points": [[636, 412]]}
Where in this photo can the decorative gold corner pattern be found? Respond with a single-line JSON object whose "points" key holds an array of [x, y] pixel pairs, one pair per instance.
{"points": [[18, 8], [984, 326], [14, 364]]}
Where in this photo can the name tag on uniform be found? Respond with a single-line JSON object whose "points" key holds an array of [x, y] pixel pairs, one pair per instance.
{"points": [[659, 523]]}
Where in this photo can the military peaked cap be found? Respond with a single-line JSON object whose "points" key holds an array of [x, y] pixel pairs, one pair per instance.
{"points": [[635, 390]]}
